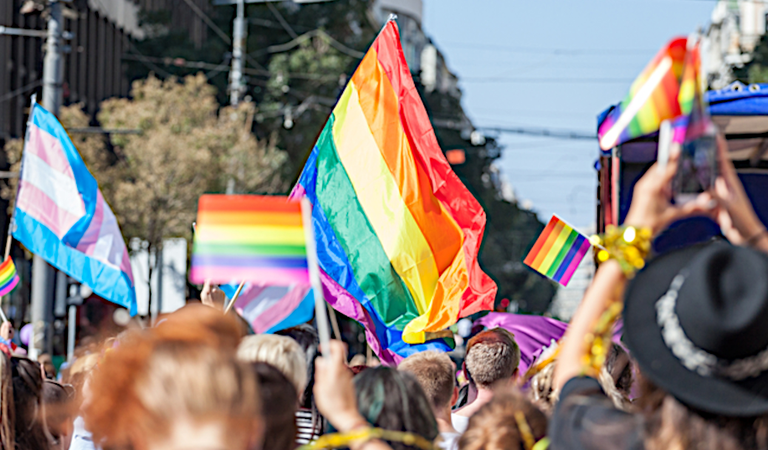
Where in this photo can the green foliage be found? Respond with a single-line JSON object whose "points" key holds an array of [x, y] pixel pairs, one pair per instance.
{"points": [[296, 72], [756, 71]]}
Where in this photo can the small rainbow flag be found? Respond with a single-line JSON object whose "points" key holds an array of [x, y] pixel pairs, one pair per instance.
{"points": [[558, 251], [8, 276], [249, 238], [652, 99]]}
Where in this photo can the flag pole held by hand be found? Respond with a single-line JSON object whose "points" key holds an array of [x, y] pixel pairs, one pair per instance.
{"points": [[321, 315], [234, 297]]}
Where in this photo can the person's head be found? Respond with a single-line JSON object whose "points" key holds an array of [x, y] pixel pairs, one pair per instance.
{"points": [[60, 409], [278, 407], [47, 362], [694, 322], [178, 385], [27, 397], [504, 423], [393, 400], [306, 336], [280, 351], [492, 358], [615, 378], [436, 375]]}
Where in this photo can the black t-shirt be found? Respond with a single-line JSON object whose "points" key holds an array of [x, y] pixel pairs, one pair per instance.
{"points": [[585, 419]]}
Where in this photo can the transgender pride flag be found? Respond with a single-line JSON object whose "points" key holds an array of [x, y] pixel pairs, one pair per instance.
{"points": [[61, 215], [270, 309]]}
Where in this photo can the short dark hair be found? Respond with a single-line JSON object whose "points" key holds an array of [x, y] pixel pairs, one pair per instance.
{"points": [[394, 401], [492, 355]]}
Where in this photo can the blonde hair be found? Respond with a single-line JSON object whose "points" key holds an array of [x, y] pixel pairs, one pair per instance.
{"points": [[543, 394], [280, 351], [182, 372], [435, 373], [492, 355]]}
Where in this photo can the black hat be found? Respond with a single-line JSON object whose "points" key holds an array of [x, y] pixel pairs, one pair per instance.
{"points": [[696, 321]]}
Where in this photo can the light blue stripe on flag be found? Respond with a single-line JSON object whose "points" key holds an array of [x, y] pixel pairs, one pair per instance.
{"points": [[269, 309], [106, 281]]}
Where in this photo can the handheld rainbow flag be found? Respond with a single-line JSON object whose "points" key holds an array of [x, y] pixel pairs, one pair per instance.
{"points": [[652, 98], [558, 251], [249, 238], [8, 276], [397, 232]]}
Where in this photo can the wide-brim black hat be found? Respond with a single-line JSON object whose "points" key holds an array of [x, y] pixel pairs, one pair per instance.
{"points": [[696, 322]]}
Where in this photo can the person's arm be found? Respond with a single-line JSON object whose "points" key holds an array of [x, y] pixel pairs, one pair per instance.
{"points": [[335, 396], [650, 208], [736, 216]]}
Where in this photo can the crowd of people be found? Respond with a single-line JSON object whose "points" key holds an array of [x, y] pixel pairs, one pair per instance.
{"points": [[691, 371]]}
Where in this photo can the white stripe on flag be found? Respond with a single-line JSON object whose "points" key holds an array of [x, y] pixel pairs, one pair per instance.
{"points": [[61, 189]]}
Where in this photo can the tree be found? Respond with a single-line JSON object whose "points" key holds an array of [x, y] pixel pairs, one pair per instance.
{"points": [[185, 147]]}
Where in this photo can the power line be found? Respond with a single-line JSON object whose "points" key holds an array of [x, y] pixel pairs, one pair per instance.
{"points": [[200, 13], [282, 21], [543, 80], [543, 132], [555, 51], [20, 91]]}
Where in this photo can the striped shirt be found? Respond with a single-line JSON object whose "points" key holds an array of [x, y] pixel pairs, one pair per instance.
{"points": [[305, 433]]}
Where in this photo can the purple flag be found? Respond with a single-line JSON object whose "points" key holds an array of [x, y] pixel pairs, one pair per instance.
{"points": [[532, 333]]}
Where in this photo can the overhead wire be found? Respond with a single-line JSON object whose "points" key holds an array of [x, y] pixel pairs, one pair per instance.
{"points": [[282, 21], [20, 91], [554, 51], [200, 13], [587, 80]]}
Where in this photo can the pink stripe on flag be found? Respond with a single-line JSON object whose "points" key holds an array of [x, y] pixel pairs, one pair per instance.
{"points": [[48, 148], [277, 312], [90, 238], [125, 265], [585, 246], [42, 208], [223, 274]]}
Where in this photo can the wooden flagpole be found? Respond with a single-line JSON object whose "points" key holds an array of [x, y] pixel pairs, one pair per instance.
{"points": [[321, 314], [234, 297]]}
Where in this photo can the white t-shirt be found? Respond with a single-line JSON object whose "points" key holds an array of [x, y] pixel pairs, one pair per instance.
{"points": [[459, 423], [449, 441]]}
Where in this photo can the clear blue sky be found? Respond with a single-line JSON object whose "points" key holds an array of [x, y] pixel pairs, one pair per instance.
{"points": [[554, 64]]}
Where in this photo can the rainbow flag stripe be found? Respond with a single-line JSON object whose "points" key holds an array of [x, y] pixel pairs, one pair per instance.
{"points": [[558, 251], [8, 276], [398, 233], [652, 98], [249, 238]]}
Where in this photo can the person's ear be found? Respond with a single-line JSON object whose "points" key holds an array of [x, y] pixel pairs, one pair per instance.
{"points": [[515, 373], [455, 396]]}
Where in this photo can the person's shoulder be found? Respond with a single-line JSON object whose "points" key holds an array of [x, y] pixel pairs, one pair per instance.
{"points": [[585, 418], [459, 422], [449, 441]]}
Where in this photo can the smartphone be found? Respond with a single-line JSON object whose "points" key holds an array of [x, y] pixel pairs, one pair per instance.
{"points": [[665, 141], [697, 168]]}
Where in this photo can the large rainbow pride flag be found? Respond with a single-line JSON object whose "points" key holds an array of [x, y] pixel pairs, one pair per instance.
{"points": [[397, 232]]}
